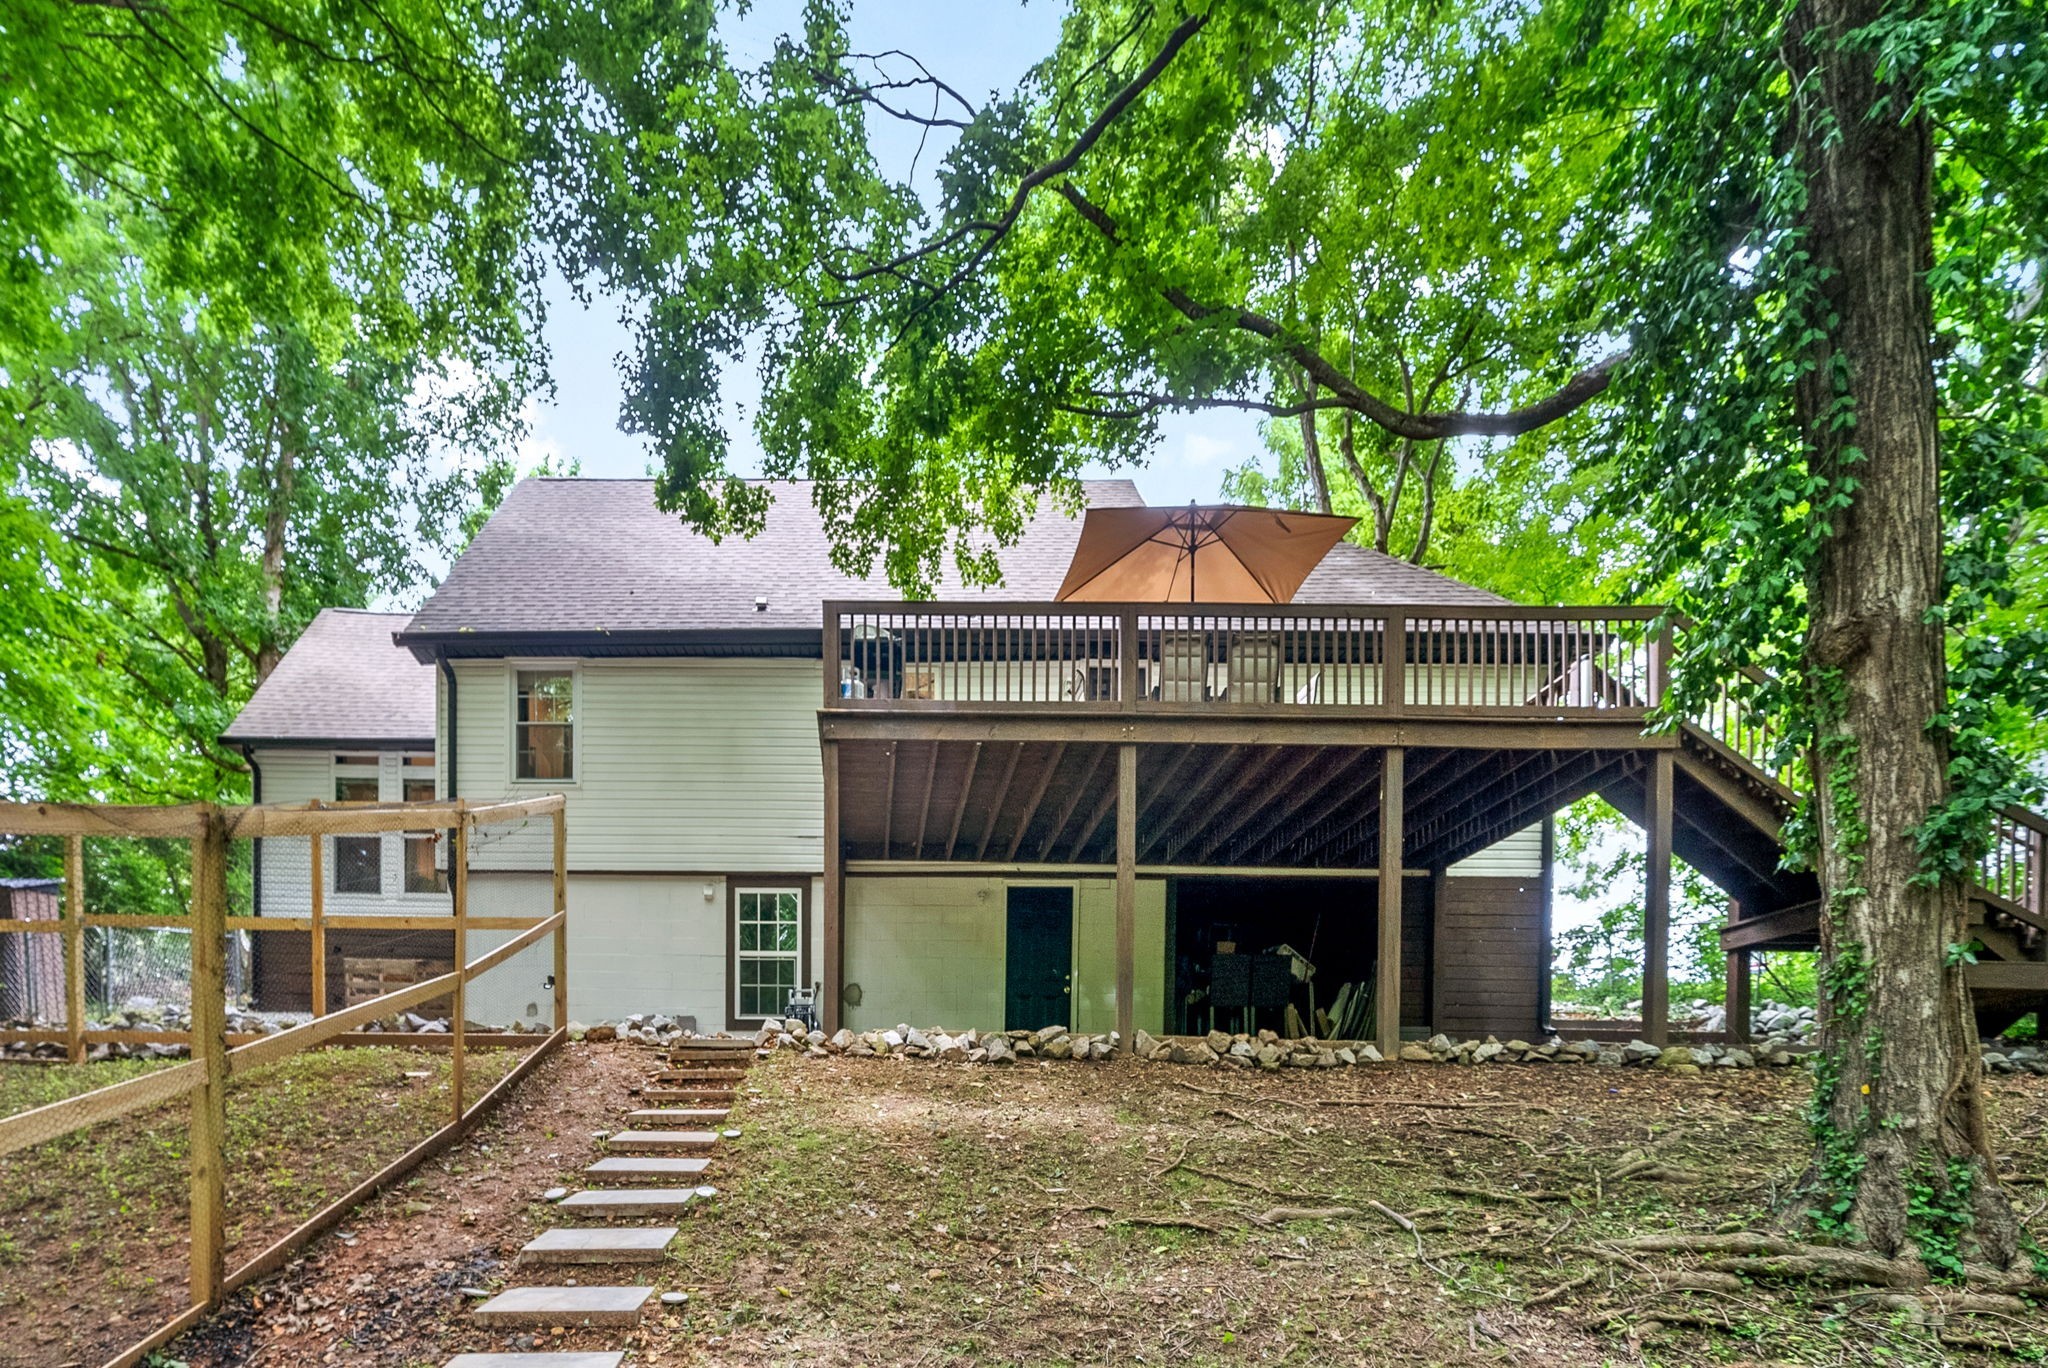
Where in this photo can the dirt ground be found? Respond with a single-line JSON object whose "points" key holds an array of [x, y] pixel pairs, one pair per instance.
{"points": [[95, 1244], [902, 1212]]}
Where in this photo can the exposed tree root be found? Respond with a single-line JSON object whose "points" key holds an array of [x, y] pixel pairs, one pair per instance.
{"points": [[1282, 1214]]}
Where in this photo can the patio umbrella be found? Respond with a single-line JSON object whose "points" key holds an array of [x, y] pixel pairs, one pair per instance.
{"points": [[1213, 553]]}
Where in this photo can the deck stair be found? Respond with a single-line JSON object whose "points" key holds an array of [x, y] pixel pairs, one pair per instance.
{"points": [[1728, 813], [606, 1234]]}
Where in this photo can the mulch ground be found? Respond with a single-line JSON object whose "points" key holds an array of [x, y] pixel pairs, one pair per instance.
{"points": [[901, 1212]]}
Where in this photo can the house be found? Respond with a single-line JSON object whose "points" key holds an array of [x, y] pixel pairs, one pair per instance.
{"points": [[995, 809]]}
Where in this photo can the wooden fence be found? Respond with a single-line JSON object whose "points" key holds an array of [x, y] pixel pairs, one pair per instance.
{"points": [[215, 1058]]}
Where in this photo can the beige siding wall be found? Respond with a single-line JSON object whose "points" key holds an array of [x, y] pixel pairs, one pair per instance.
{"points": [[1519, 856], [929, 951], [681, 765]]}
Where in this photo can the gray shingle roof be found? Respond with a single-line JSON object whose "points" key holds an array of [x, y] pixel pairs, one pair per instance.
{"points": [[343, 680], [580, 555]]}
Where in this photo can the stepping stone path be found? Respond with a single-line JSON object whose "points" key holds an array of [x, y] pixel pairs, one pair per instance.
{"points": [[617, 1244], [660, 1141], [607, 1204], [627, 1167], [705, 1073]]}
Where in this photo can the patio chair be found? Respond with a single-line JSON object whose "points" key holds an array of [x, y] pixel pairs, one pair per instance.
{"points": [[1254, 667], [1183, 668]]}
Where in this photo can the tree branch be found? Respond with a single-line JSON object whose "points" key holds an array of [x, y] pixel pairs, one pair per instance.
{"points": [[993, 231], [1421, 427]]}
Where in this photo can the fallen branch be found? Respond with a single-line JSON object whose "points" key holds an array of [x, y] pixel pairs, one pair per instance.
{"points": [[1434, 1106], [1563, 1289], [1282, 1214], [1158, 1222], [1480, 1194]]}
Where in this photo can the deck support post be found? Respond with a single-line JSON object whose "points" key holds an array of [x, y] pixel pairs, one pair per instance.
{"points": [[1657, 902], [1126, 892], [1387, 1006], [1735, 1002], [835, 896]]}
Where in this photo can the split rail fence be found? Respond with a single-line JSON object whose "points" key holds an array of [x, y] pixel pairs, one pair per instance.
{"points": [[455, 828]]}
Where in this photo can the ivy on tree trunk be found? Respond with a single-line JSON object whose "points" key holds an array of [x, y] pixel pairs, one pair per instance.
{"points": [[1903, 1158]]}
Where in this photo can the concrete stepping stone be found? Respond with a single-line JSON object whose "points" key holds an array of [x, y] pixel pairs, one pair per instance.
{"points": [[608, 1203], [550, 1306], [660, 1117], [604, 1244], [608, 1359], [659, 1141], [686, 1094], [628, 1168]]}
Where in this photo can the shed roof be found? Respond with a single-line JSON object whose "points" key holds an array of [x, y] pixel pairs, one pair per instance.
{"points": [[567, 557], [343, 681]]}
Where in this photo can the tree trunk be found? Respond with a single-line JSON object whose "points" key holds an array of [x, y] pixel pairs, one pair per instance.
{"points": [[276, 522], [1900, 1127]]}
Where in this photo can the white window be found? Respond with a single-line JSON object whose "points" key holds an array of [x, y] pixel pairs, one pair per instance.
{"points": [[544, 725], [358, 861], [378, 866], [767, 949], [416, 777]]}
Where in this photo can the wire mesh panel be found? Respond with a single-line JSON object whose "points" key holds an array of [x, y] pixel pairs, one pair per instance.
{"points": [[201, 1106]]}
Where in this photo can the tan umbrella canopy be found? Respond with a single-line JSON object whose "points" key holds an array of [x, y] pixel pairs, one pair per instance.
{"points": [[1213, 553]]}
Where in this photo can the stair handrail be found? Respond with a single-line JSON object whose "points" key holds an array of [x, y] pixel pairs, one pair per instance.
{"points": [[2014, 871]]}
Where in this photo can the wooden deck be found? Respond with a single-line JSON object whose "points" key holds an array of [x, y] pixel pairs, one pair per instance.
{"points": [[1133, 741]]}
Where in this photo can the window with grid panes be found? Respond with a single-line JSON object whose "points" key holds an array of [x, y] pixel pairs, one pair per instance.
{"points": [[420, 874], [358, 861], [767, 940]]}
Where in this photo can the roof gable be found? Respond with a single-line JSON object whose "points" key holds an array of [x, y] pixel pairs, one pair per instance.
{"points": [[343, 680], [577, 557]]}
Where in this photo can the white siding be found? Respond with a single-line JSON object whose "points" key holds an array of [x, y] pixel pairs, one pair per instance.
{"points": [[298, 775], [930, 951], [680, 766], [1519, 856]]}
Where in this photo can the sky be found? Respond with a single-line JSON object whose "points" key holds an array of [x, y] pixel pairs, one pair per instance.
{"points": [[974, 45]]}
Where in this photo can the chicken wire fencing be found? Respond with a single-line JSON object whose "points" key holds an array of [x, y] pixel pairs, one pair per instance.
{"points": [[159, 1174]]}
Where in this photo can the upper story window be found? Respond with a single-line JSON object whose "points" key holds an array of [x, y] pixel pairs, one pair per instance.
{"points": [[359, 859], [544, 734]]}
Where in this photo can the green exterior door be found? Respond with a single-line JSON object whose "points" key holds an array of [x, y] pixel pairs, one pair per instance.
{"points": [[1039, 959]]}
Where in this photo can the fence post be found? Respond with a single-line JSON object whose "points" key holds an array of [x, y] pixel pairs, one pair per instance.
{"points": [[209, 1048], [318, 929], [561, 931], [458, 869], [74, 947]]}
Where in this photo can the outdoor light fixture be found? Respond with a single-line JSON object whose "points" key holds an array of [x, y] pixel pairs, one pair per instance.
{"points": [[761, 604], [710, 892]]}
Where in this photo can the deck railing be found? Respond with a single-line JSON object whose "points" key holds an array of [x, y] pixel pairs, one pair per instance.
{"points": [[1457, 660]]}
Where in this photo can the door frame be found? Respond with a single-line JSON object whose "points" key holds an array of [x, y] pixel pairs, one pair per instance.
{"points": [[1073, 887]]}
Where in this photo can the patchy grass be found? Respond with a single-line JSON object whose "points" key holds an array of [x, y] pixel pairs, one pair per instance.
{"points": [[94, 1226], [24, 1087], [903, 1212], [896, 1212]]}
